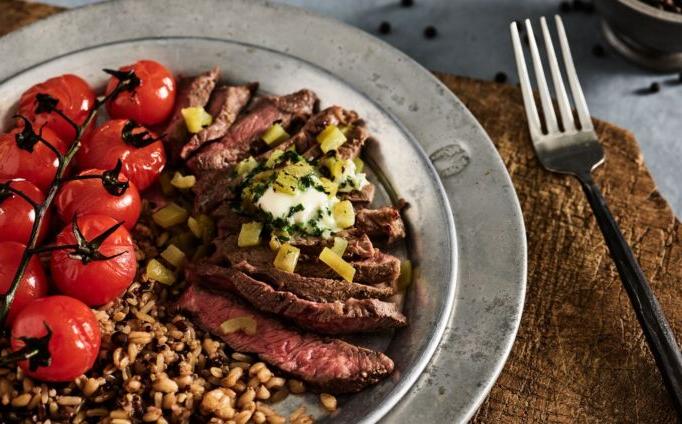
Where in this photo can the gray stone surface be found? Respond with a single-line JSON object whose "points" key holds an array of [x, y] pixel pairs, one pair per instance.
{"points": [[474, 41]]}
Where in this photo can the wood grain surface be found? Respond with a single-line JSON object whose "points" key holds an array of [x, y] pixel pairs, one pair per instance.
{"points": [[580, 355]]}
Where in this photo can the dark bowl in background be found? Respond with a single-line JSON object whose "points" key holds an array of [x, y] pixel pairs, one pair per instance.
{"points": [[644, 34]]}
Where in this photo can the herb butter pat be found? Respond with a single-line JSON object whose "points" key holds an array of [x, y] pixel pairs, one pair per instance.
{"points": [[309, 208]]}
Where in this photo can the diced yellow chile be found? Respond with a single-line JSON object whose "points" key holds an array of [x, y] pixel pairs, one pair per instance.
{"points": [[346, 129], [344, 214], [285, 183], [245, 323], [359, 165], [195, 227], [162, 239], [330, 187], [273, 159], [340, 245], [207, 227], [250, 234], [335, 167], [185, 241], [246, 166], [174, 256], [183, 182], [274, 242], [336, 263], [196, 118], [298, 169], [274, 134], [155, 271], [165, 182], [287, 258], [170, 215], [405, 278], [331, 138]]}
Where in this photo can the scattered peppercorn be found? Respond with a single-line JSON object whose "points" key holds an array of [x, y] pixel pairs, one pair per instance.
{"points": [[407, 3], [501, 77], [430, 32], [578, 5], [598, 50], [654, 87], [385, 28], [119, 339], [565, 7], [679, 77]]}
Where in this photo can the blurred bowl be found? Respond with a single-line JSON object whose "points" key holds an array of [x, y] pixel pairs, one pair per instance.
{"points": [[648, 36]]}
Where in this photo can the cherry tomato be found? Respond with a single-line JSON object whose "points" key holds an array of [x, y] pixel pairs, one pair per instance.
{"points": [[17, 215], [76, 100], [75, 340], [89, 196], [151, 103], [37, 166], [33, 284], [98, 281], [143, 156]]}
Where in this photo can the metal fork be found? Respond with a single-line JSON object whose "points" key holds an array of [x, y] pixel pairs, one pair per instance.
{"points": [[564, 148]]}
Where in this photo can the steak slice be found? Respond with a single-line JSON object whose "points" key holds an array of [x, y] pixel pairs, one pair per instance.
{"points": [[312, 288], [213, 188], [347, 317], [192, 92], [226, 103], [360, 197], [331, 365], [355, 140], [382, 268], [383, 223], [236, 144]]}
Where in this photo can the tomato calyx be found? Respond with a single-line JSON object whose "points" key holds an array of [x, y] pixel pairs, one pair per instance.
{"points": [[7, 191], [128, 80], [85, 250], [139, 139], [36, 351], [111, 183]]}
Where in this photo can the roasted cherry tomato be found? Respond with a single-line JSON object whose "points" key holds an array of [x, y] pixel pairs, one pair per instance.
{"points": [[37, 163], [75, 99], [151, 102], [34, 283], [91, 280], [74, 341], [17, 215], [100, 196], [142, 153]]}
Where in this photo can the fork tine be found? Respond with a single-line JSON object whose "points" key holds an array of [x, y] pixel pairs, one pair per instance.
{"points": [[528, 99], [557, 80], [545, 98], [576, 90]]}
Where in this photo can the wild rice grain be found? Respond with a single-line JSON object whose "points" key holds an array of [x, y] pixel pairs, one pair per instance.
{"points": [[328, 401]]}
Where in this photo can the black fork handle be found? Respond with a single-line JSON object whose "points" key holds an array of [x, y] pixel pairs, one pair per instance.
{"points": [[655, 326]]}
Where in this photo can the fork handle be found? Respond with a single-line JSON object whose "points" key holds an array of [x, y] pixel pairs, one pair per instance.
{"points": [[656, 328]]}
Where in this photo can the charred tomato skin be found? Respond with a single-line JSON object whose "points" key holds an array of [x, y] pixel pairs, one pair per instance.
{"points": [[151, 103], [37, 166], [75, 340], [99, 281], [88, 197], [33, 284], [106, 145], [76, 100], [17, 215]]}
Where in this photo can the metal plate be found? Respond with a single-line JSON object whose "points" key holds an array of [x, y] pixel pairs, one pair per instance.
{"points": [[287, 48]]}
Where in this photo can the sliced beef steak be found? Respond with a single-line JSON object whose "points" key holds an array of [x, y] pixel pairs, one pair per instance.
{"points": [[312, 288], [382, 268], [329, 364], [238, 142], [383, 223], [192, 92], [355, 140], [338, 317], [212, 189], [226, 103], [360, 197]]}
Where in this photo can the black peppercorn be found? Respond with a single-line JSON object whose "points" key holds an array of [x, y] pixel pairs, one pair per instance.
{"points": [[654, 87], [119, 339], [384, 28], [501, 77], [565, 7], [407, 3], [430, 32], [598, 50]]}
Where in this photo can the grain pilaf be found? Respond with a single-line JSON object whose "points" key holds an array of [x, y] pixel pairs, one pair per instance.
{"points": [[154, 366]]}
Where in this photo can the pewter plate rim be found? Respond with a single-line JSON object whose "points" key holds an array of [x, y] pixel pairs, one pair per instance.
{"points": [[490, 293]]}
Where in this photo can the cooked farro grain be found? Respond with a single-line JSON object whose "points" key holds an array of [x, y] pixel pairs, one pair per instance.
{"points": [[328, 401]]}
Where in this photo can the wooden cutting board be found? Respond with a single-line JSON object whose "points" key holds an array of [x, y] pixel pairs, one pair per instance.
{"points": [[580, 355]]}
